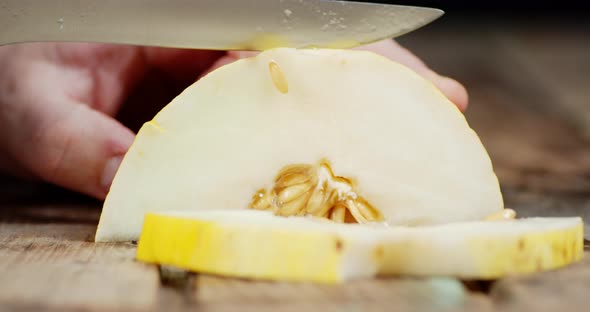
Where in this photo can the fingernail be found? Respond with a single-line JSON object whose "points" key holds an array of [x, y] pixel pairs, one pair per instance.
{"points": [[109, 171], [455, 91]]}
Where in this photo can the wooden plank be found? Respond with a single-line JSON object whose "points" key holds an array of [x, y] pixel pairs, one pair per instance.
{"points": [[56, 267], [222, 294], [562, 290]]}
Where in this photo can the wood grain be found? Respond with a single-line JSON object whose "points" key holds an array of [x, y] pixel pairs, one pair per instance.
{"points": [[56, 267], [565, 289], [220, 294]]}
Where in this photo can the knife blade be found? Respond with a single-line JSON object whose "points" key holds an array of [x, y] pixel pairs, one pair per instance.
{"points": [[210, 24]]}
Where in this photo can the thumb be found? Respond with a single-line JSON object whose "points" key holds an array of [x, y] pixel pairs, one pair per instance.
{"points": [[81, 150]]}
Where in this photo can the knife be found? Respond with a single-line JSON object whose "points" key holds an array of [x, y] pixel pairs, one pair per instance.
{"points": [[210, 24]]}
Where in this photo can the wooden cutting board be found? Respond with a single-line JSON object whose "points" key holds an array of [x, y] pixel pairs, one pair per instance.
{"points": [[56, 267]]}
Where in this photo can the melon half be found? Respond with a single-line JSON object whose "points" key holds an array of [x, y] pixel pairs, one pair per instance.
{"points": [[400, 143]]}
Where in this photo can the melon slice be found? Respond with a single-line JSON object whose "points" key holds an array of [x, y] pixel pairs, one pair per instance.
{"points": [[259, 245], [386, 143]]}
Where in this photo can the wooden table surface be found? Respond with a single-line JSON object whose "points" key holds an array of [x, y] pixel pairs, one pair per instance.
{"points": [[530, 103]]}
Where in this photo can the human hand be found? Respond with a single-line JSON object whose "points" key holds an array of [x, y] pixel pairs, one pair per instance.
{"points": [[57, 101]]}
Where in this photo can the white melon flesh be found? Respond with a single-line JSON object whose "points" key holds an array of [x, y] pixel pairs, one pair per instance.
{"points": [[408, 148], [255, 244]]}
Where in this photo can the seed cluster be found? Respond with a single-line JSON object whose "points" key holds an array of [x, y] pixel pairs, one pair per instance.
{"points": [[314, 190]]}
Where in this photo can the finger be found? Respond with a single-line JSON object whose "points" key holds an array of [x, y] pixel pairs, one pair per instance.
{"points": [[455, 91], [53, 137], [99, 75], [80, 150]]}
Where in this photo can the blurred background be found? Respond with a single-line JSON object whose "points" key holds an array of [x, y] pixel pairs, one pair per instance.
{"points": [[526, 66]]}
